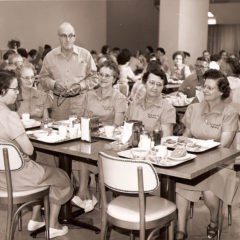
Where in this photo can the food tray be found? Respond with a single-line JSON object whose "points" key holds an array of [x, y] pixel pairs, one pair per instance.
{"points": [[167, 162], [192, 145], [31, 123], [52, 138], [56, 124]]}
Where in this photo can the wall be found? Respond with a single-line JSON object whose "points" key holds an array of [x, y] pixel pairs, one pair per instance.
{"points": [[132, 24], [226, 13], [35, 23]]}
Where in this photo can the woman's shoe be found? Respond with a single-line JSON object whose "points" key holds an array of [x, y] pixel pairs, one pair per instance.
{"points": [[212, 231], [181, 235], [53, 232], [34, 225]]}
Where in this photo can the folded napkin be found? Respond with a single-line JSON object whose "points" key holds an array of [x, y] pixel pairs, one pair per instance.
{"points": [[85, 129], [127, 132]]}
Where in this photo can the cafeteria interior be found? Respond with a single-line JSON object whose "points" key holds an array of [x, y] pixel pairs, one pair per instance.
{"points": [[80, 79]]}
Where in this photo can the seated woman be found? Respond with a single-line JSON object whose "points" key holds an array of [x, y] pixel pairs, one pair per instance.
{"points": [[211, 119], [126, 73], [33, 101], [109, 105], [154, 111], [180, 70], [32, 175]]}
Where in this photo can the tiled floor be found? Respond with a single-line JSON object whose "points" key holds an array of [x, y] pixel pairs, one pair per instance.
{"points": [[196, 226]]}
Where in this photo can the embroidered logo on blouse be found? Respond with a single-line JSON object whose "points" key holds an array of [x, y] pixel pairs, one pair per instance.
{"points": [[154, 116], [107, 108], [213, 125]]}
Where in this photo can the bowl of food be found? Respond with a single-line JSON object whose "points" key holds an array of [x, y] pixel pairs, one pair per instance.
{"points": [[139, 153]]}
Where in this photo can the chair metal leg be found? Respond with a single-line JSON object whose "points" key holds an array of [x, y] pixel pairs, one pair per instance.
{"points": [[103, 227], [9, 221], [20, 221], [132, 237], [171, 230], [229, 215], [47, 215], [191, 209], [220, 219]]}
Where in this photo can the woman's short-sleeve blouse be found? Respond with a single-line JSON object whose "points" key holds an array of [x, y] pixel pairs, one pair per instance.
{"points": [[159, 113], [10, 124], [204, 124], [35, 102], [104, 107]]}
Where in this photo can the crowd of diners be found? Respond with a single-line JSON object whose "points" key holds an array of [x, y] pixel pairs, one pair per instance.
{"points": [[116, 86]]}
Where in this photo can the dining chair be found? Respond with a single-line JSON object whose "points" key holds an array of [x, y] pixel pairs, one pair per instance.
{"points": [[11, 160], [134, 208]]}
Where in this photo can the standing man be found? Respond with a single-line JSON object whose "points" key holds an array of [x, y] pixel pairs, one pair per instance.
{"points": [[68, 71]]}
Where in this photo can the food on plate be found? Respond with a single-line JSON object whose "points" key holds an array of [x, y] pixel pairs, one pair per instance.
{"points": [[193, 147], [170, 141], [183, 139], [179, 152], [139, 153]]}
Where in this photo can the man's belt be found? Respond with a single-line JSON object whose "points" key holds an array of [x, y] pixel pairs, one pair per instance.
{"points": [[66, 95]]}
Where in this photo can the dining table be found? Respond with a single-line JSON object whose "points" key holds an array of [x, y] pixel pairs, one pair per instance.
{"points": [[88, 152]]}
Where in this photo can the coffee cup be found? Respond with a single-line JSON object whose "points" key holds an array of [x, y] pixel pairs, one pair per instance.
{"points": [[25, 116]]}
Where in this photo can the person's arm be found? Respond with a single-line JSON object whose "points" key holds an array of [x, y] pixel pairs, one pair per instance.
{"points": [[45, 113], [25, 144], [45, 77], [91, 79], [121, 106], [119, 118], [227, 138], [187, 71], [229, 128], [167, 129], [187, 133], [17, 132]]}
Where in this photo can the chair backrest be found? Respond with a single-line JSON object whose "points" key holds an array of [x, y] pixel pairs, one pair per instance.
{"points": [[14, 155], [122, 174]]}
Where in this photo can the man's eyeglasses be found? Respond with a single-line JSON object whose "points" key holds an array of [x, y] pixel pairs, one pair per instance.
{"points": [[65, 36], [201, 66]]}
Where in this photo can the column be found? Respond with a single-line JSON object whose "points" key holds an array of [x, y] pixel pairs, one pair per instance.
{"points": [[183, 25]]}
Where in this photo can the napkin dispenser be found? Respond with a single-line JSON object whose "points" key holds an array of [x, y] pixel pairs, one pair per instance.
{"points": [[89, 128], [136, 131]]}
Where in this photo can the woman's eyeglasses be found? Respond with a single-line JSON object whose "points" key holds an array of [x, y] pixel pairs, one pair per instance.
{"points": [[16, 89], [106, 76]]}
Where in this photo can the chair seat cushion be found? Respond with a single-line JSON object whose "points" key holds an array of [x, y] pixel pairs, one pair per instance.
{"points": [[4, 194], [127, 208]]}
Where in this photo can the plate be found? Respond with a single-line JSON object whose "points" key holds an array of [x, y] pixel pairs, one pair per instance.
{"points": [[31, 123], [188, 156], [166, 162], [201, 145], [52, 138]]}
